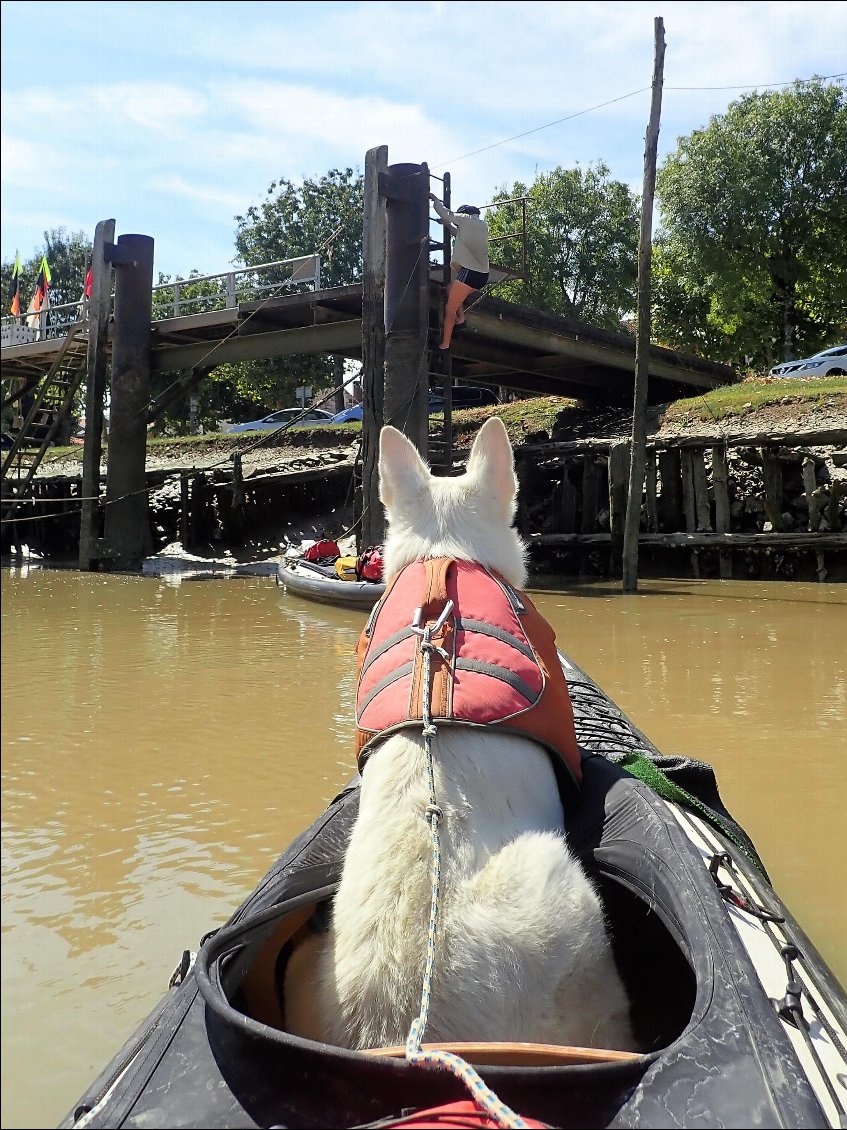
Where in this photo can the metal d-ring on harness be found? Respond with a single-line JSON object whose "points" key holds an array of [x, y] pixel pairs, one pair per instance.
{"points": [[482, 1094]]}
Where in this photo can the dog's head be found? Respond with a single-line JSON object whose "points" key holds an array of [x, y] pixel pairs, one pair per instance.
{"points": [[468, 518]]}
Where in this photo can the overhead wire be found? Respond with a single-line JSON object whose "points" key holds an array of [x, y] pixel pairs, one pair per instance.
{"points": [[623, 98]]}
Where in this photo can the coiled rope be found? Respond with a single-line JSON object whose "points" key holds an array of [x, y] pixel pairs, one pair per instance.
{"points": [[481, 1093]]}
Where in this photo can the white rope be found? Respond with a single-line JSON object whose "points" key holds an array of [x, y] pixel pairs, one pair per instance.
{"points": [[481, 1093]]}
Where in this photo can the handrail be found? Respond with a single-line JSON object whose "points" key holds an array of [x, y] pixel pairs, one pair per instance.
{"points": [[55, 321]]}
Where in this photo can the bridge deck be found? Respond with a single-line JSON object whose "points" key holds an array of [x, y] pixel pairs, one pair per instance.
{"points": [[504, 344]]}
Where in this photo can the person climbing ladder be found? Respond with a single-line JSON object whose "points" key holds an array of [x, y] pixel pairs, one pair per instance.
{"points": [[469, 262]]}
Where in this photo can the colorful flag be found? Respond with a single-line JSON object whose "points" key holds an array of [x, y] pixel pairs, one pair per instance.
{"points": [[41, 299], [85, 297], [15, 290]]}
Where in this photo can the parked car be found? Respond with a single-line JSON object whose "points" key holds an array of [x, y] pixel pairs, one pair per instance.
{"points": [[436, 404], [828, 363], [347, 415], [312, 417]]}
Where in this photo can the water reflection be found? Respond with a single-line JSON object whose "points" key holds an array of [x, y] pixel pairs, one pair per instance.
{"points": [[163, 742]]}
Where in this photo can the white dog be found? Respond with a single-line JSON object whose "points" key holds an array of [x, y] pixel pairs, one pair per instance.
{"points": [[522, 952]]}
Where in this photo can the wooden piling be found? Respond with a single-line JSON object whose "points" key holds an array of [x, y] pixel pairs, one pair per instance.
{"points": [[99, 309], [590, 495], [619, 454], [370, 517], [720, 485], [688, 503], [772, 475], [669, 505], [127, 527]]}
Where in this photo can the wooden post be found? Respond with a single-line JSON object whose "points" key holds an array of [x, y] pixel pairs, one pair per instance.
{"points": [[127, 533], [815, 501], [371, 529], [590, 495], [702, 507], [184, 511], [642, 341], [650, 491], [669, 504], [99, 309], [619, 471], [772, 475], [442, 461], [720, 485], [405, 404], [688, 504], [564, 504], [338, 380]]}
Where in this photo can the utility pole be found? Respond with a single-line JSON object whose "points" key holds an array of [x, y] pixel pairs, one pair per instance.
{"points": [[642, 341]]}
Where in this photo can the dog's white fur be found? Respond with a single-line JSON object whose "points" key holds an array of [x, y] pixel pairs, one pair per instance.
{"points": [[522, 948]]}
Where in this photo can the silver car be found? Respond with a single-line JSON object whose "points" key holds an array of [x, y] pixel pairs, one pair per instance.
{"points": [[828, 363], [274, 420]]}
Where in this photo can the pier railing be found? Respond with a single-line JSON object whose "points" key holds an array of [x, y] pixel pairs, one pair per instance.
{"points": [[194, 295]]}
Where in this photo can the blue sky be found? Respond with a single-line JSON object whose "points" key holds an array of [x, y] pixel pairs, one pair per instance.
{"points": [[175, 117]]}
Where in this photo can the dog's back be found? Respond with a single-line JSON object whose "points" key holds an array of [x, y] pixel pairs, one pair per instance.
{"points": [[521, 949]]}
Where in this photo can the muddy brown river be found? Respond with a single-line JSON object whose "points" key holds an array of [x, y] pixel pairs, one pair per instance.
{"points": [[163, 741]]}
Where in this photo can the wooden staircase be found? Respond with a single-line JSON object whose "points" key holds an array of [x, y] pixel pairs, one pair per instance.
{"points": [[52, 400]]}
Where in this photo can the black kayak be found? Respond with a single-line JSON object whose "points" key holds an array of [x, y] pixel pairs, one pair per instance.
{"points": [[746, 1024]]}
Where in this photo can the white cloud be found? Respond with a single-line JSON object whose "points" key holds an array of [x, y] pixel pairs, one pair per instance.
{"points": [[210, 112]]}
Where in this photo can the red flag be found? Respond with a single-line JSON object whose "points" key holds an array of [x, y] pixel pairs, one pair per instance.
{"points": [[15, 289], [88, 284], [41, 299]]}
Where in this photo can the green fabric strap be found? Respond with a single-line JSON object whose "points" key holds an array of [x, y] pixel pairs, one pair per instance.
{"points": [[645, 770]]}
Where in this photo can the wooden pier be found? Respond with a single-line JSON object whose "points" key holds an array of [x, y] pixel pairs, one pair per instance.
{"points": [[718, 499]]}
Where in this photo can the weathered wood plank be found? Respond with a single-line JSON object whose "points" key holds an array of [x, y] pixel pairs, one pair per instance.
{"points": [[720, 485], [618, 486], [772, 476]]}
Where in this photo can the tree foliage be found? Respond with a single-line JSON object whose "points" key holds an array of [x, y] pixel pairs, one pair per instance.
{"points": [[68, 257], [321, 216], [581, 244], [751, 262]]}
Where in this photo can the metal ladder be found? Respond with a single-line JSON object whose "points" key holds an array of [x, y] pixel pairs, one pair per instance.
{"points": [[51, 405]]}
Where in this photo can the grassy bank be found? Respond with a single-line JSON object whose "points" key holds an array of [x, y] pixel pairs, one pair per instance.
{"points": [[745, 404]]}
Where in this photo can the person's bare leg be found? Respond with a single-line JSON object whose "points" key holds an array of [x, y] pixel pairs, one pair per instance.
{"points": [[457, 292]]}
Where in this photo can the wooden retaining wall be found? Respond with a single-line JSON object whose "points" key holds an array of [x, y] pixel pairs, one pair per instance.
{"points": [[197, 507], [770, 506]]}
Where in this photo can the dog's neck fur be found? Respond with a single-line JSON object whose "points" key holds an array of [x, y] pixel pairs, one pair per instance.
{"points": [[467, 518]]}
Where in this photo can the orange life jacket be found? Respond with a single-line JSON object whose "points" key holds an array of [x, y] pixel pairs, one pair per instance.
{"points": [[502, 667]]}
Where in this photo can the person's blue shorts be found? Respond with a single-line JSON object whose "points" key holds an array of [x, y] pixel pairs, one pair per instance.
{"points": [[475, 279]]}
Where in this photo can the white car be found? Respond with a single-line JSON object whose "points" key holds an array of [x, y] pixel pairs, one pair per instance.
{"points": [[284, 416], [828, 363]]}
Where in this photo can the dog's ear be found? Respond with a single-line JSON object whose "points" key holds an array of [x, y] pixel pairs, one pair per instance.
{"points": [[402, 472], [491, 462]]}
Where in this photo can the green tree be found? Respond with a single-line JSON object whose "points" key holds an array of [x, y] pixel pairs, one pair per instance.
{"points": [[581, 244], [322, 216], [68, 257], [751, 263]]}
